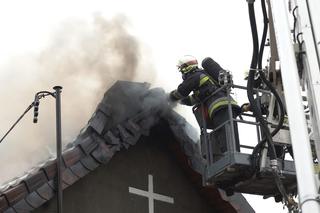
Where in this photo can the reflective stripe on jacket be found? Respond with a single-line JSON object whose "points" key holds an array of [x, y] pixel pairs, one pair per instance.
{"points": [[219, 103]]}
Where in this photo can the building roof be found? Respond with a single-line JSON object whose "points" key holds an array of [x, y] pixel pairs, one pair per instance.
{"points": [[127, 111]]}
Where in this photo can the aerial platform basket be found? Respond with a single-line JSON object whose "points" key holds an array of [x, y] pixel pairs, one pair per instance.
{"points": [[232, 170], [232, 173]]}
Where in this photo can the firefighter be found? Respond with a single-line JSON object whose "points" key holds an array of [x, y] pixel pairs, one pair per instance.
{"points": [[202, 85]]}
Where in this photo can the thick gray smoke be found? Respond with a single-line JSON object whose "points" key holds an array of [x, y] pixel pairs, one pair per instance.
{"points": [[86, 58]]}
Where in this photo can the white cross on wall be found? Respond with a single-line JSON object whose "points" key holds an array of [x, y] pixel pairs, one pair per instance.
{"points": [[151, 195]]}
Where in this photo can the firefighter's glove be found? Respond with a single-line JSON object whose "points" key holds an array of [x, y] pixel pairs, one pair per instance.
{"points": [[172, 96], [172, 99]]}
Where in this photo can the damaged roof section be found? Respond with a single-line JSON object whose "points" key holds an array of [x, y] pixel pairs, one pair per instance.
{"points": [[127, 111]]}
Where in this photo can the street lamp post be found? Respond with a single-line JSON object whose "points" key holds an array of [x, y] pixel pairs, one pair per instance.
{"points": [[35, 104], [59, 147]]}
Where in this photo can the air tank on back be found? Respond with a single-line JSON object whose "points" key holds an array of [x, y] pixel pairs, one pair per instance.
{"points": [[211, 67]]}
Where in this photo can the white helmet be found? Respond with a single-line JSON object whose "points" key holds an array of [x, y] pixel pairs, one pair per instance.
{"points": [[187, 63]]}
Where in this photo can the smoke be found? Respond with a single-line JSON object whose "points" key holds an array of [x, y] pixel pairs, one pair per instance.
{"points": [[85, 58]]}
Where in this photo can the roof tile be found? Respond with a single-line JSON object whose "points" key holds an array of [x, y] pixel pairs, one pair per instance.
{"points": [[88, 144], [3, 203], [68, 177], [45, 191], [128, 137], [89, 163], [50, 169], [79, 170], [111, 138], [98, 121], [16, 193], [126, 145], [124, 134], [133, 140], [35, 180], [105, 108], [22, 207], [53, 184], [35, 200], [10, 210], [133, 127], [139, 116], [103, 153], [72, 156]]}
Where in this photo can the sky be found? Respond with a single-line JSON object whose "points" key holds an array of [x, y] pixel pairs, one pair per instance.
{"points": [[37, 34]]}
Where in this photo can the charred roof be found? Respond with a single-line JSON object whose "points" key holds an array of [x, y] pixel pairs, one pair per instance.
{"points": [[127, 111]]}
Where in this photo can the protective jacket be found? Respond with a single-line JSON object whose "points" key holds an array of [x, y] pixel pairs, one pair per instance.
{"points": [[202, 85]]}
